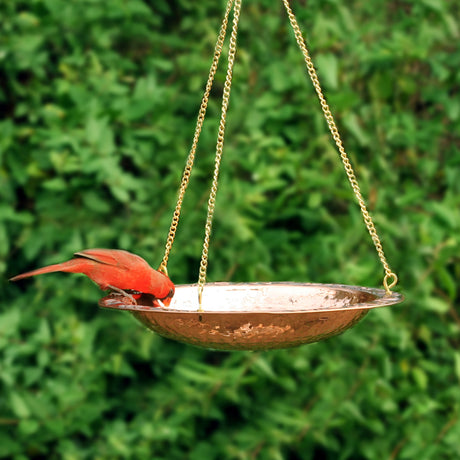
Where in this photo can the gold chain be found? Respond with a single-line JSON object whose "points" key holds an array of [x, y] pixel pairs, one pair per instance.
{"points": [[219, 150], [199, 124], [390, 279]]}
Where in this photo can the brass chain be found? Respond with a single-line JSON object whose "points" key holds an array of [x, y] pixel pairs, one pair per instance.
{"points": [[219, 150], [199, 124], [390, 280]]}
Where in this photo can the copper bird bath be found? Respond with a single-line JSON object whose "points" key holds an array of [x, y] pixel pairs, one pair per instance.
{"points": [[258, 316]]}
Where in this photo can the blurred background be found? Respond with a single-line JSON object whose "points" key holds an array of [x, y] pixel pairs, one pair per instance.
{"points": [[98, 103]]}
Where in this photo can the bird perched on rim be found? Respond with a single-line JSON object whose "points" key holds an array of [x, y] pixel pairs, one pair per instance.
{"points": [[120, 271]]}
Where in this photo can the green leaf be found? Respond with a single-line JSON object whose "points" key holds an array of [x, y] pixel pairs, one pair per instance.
{"points": [[353, 125], [9, 322], [4, 241], [457, 364], [28, 427], [436, 5], [420, 377], [328, 67], [447, 281], [437, 305], [18, 405], [57, 184]]}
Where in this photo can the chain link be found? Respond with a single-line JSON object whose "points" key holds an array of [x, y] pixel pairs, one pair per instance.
{"points": [[219, 150], [390, 279], [199, 124]]}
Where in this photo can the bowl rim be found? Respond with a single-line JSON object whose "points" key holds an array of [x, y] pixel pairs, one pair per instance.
{"points": [[381, 299]]}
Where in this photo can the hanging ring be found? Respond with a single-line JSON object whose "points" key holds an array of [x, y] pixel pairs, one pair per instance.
{"points": [[392, 284], [163, 269]]}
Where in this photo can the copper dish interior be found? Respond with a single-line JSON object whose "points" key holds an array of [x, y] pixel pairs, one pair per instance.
{"points": [[257, 316]]}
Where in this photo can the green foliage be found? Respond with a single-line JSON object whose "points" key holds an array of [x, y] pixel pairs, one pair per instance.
{"points": [[99, 101]]}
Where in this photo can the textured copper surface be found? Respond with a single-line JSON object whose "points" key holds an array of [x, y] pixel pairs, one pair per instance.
{"points": [[257, 316]]}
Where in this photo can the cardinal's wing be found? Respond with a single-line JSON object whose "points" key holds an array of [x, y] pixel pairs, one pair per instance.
{"points": [[114, 257]]}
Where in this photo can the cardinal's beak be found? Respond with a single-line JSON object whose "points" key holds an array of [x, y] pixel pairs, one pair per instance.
{"points": [[166, 301]]}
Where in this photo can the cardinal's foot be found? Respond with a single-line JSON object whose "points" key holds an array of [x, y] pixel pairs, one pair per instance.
{"points": [[125, 294]]}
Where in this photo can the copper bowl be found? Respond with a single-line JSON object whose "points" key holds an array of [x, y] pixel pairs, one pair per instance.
{"points": [[257, 316]]}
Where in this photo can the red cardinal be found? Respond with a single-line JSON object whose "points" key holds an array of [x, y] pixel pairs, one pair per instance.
{"points": [[114, 269]]}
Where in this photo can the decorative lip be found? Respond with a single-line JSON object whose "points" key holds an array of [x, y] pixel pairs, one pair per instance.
{"points": [[265, 298]]}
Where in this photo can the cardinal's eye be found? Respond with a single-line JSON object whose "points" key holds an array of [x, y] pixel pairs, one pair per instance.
{"points": [[171, 293]]}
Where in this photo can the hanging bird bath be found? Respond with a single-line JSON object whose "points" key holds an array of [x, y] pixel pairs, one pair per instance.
{"points": [[257, 316]]}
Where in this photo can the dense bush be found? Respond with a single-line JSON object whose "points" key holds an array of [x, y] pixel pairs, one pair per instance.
{"points": [[99, 102]]}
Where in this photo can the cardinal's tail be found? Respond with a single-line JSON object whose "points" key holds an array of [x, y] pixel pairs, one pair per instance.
{"points": [[73, 266]]}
